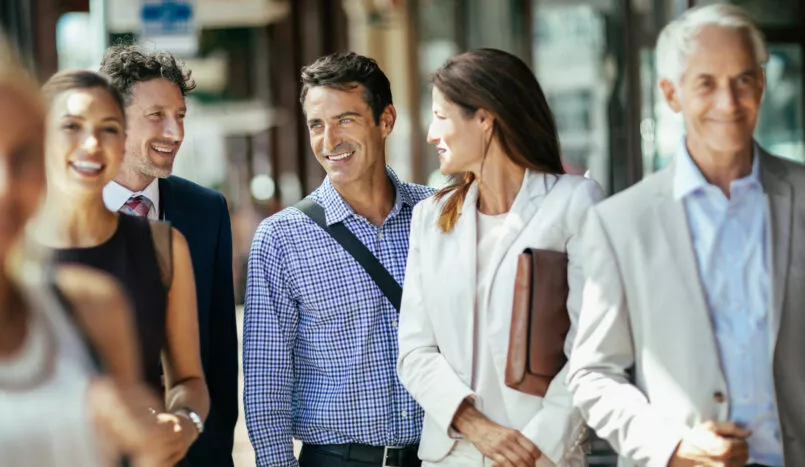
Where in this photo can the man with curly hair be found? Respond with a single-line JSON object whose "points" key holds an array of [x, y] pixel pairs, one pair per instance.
{"points": [[154, 87]]}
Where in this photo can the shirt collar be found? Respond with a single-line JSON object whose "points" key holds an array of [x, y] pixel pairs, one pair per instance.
{"points": [[689, 179], [338, 210], [115, 195]]}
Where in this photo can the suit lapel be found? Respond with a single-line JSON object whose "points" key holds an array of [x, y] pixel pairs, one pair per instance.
{"points": [[164, 195], [670, 215], [465, 231], [779, 203], [167, 208], [457, 253], [525, 206]]}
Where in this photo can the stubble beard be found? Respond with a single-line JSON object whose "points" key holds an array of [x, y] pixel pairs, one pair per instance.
{"points": [[146, 167], [141, 168]]}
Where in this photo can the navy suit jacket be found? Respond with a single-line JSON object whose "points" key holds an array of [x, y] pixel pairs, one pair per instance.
{"points": [[202, 216]]}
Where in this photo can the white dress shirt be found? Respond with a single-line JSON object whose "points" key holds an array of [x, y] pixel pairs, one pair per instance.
{"points": [[730, 237], [116, 195]]}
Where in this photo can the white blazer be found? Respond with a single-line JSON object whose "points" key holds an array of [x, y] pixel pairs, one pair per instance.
{"points": [[436, 330], [644, 305]]}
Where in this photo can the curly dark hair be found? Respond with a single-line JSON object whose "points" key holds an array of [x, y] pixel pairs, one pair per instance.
{"points": [[346, 70], [127, 65]]}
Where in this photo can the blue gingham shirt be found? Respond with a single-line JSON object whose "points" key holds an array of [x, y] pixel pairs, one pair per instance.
{"points": [[730, 237], [320, 338]]}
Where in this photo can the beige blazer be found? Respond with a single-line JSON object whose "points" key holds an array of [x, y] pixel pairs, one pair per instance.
{"points": [[644, 305], [437, 315]]}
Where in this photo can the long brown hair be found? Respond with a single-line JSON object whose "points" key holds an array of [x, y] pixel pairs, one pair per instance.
{"points": [[504, 86]]}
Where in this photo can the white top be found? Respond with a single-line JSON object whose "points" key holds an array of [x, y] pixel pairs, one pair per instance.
{"points": [[485, 380], [115, 196], [43, 388]]}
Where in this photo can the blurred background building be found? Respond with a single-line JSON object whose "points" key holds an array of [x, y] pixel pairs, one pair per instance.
{"points": [[246, 134], [245, 131]]}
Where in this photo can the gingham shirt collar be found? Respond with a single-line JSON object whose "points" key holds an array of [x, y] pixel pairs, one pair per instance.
{"points": [[336, 209]]}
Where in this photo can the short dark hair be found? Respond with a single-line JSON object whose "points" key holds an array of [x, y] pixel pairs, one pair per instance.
{"points": [[127, 65], [80, 79], [345, 70]]}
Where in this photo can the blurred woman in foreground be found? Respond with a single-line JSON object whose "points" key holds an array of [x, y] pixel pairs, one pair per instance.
{"points": [[58, 325]]}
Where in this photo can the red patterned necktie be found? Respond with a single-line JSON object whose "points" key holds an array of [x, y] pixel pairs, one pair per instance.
{"points": [[137, 206]]}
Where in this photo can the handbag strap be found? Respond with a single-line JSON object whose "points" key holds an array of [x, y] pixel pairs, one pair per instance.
{"points": [[385, 282]]}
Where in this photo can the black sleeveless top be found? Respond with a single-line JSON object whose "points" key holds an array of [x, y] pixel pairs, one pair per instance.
{"points": [[130, 257]]}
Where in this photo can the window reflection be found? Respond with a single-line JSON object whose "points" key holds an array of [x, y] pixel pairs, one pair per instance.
{"points": [[438, 34], [569, 56], [779, 128], [767, 13]]}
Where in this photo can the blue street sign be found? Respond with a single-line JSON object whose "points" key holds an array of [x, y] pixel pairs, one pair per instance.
{"points": [[167, 17], [170, 24]]}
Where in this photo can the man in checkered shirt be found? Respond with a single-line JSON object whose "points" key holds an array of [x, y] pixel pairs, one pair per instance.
{"points": [[320, 338]]}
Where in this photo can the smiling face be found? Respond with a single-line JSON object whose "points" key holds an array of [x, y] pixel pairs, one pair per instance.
{"points": [[343, 134], [155, 131], [720, 92], [85, 140]]}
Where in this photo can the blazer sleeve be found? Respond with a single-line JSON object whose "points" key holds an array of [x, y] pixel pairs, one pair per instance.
{"points": [[558, 428], [616, 409], [422, 368], [222, 370]]}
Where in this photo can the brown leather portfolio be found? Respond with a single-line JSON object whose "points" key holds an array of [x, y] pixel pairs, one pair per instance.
{"points": [[540, 321]]}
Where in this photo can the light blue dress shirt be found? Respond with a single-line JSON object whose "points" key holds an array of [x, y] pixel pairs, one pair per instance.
{"points": [[730, 240]]}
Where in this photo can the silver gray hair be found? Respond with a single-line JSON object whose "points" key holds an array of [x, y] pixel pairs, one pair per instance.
{"points": [[678, 38]]}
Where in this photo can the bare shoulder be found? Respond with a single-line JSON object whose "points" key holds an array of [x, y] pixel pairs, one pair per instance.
{"points": [[177, 238], [181, 250], [103, 311]]}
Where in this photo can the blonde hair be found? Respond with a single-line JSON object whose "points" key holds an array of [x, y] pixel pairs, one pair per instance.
{"points": [[678, 39]]}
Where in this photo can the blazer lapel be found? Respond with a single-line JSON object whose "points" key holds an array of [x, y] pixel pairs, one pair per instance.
{"points": [[670, 214], [526, 205], [779, 203], [165, 198], [458, 266], [465, 232]]}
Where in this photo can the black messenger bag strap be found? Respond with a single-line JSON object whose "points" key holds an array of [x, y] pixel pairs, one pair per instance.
{"points": [[387, 284]]}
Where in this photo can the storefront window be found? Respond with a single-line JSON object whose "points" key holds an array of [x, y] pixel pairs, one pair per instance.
{"points": [[779, 127], [570, 60], [437, 42], [767, 13]]}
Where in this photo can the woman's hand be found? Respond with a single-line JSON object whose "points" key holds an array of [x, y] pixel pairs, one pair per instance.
{"points": [[505, 446], [178, 433], [123, 415]]}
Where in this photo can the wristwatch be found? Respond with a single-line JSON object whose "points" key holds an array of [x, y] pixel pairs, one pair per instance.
{"points": [[194, 418]]}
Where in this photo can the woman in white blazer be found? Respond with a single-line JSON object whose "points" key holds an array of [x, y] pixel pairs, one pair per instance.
{"points": [[496, 136]]}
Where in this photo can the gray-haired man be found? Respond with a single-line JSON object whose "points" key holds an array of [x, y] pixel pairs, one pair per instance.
{"points": [[694, 275]]}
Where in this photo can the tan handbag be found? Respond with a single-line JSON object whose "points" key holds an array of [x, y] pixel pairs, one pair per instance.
{"points": [[540, 321]]}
